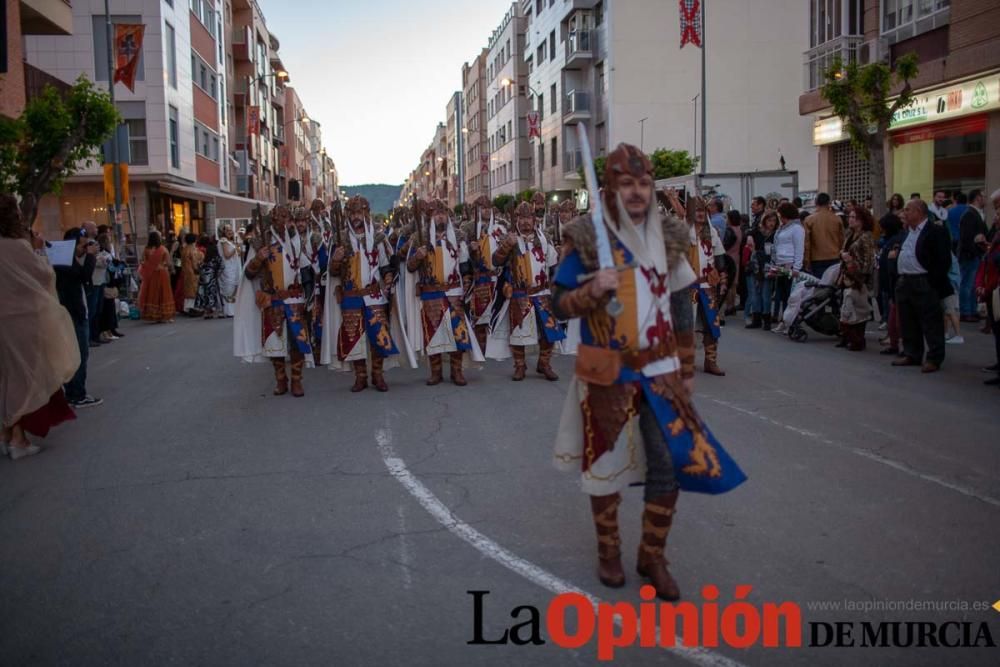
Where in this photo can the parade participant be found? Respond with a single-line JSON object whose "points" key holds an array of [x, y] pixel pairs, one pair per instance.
{"points": [[362, 275], [527, 258], [271, 318], [707, 258], [483, 234], [628, 417], [435, 313], [566, 213], [538, 207], [232, 267]]}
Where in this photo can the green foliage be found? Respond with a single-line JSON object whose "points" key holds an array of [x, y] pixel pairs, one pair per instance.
{"points": [[859, 95], [55, 137], [526, 195], [459, 209], [666, 164], [503, 201]]}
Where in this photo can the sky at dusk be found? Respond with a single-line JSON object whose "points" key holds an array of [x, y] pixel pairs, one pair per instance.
{"points": [[377, 74]]}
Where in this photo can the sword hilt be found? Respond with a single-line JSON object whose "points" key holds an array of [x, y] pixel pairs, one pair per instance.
{"points": [[614, 307]]}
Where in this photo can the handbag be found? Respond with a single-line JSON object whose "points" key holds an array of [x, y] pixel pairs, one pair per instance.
{"points": [[598, 365], [110, 292]]}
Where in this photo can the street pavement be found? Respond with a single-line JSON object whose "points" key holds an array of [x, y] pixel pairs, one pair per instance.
{"points": [[194, 519]]}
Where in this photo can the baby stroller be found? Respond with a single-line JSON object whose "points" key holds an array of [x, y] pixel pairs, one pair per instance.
{"points": [[814, 303]]}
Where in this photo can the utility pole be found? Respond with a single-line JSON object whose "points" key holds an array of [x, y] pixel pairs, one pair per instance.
{"points": [[704, 106], [116, 174]]}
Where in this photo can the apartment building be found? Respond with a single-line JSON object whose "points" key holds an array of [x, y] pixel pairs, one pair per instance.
{"points": [[19, 80], [617, 66], [949, 138], [454, 145], [477, 154], [507, 106]]}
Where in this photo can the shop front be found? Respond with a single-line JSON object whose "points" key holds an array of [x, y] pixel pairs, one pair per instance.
{"points": [[945, 140]]}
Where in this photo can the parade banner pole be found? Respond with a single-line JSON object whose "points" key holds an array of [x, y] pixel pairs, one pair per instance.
{"points": [[114, 138], [704, 106]]}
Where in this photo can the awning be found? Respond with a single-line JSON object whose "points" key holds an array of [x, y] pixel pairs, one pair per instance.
{"points": [[226, 205]]}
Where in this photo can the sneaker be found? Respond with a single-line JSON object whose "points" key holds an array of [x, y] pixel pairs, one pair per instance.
{"points": [[883, 326], [117, 334], [779, 328], [955, 340], [991, 369], [87, 402], [20, 452]]}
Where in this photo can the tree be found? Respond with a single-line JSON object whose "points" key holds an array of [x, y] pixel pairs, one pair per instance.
{"points": [[526, 195], [859, 95], [501, 202], [666, 164], [55, 137]]}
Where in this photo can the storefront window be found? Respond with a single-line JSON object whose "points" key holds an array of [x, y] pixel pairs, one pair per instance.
{"points": [[948, 156]]}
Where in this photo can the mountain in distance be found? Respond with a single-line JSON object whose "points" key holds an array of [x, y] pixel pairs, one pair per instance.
{"points": [[380, 196]]}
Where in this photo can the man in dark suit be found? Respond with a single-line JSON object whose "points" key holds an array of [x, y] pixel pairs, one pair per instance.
{"points": [[923, 263], [71, 286], [972, 226]]}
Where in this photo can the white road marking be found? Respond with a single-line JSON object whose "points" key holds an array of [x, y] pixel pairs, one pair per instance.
{"points": [[864, 453], [405, 557], [533, 573]]}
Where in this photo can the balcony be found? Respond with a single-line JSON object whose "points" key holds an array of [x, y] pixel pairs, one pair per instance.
{"points": [[819, 59], [572, 162], [242, 44], [580, 48], [576, 107], [46, 17]]}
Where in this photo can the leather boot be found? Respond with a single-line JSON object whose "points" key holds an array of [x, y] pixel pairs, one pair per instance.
{"points": [[857, 337], [544, 367], [436, 364], [378, 376], [520, 367], [609, 555], [280, 377], [297, 390], [656, 521], [360, 375], [767, 323], [455, 365], [712, 356], [845, 335], [755, 322]]}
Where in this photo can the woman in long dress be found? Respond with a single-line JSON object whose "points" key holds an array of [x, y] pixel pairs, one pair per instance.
{"points": [[156, 299], [209, 298], [38, 347], [232, 265]]}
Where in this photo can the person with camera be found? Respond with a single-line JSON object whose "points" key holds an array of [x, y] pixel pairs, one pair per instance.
{"points": [[72, 283]]}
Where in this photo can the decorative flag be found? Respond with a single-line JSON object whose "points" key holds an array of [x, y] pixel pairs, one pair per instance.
{"points": [[534, 125], [253, 120], [690, 22], [128, 46], [484, 163]]}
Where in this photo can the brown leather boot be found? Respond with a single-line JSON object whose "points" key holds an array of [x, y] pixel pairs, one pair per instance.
{"points": [[520, 366], [378, 377], [712, 356], [455, 364], [360, 375], [609, 555], [656, 521], [436, 364], [280, 377], [544, 367], [297, 390]]}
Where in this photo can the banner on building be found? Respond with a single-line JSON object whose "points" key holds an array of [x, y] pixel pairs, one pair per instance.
{"points": [[534, 125], [128, 46], [253, 120], [109, 183], [484, 163], [690, 22]]}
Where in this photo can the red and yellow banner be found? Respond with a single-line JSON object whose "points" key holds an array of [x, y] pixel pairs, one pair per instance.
{"points": [[253, 120], [128, 47]]}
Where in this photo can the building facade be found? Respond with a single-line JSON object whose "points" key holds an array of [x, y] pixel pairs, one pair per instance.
{"points": [[454, 144], [507, 106], [477, 155], [949, 138], [19, 80], [616, 66]]}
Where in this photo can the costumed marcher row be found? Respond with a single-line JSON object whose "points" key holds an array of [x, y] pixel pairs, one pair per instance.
{"points": [[706, 256]]}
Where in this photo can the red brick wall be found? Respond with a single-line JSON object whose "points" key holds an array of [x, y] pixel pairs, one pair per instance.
{"points": [[12, 81], [206, 110], [202, 41], [206, 171]]}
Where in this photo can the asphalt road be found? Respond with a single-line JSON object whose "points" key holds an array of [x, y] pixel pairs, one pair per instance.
{"points": [[194, 519]]}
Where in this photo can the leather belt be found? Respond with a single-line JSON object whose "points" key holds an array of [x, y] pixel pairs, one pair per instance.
{"points": [[368, 291], [642, 358], [425, 289]]}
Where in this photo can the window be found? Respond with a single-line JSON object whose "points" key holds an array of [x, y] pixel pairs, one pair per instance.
{"points": [[134, 115], [539, 6], [552, 45], [205, 13], [552, 96], [899, 13], [541, 155], [541, 107], [510, 129], [175, 154], [540, 54], [555, 151], [171, 45], [101, 46], [206, 142]]}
